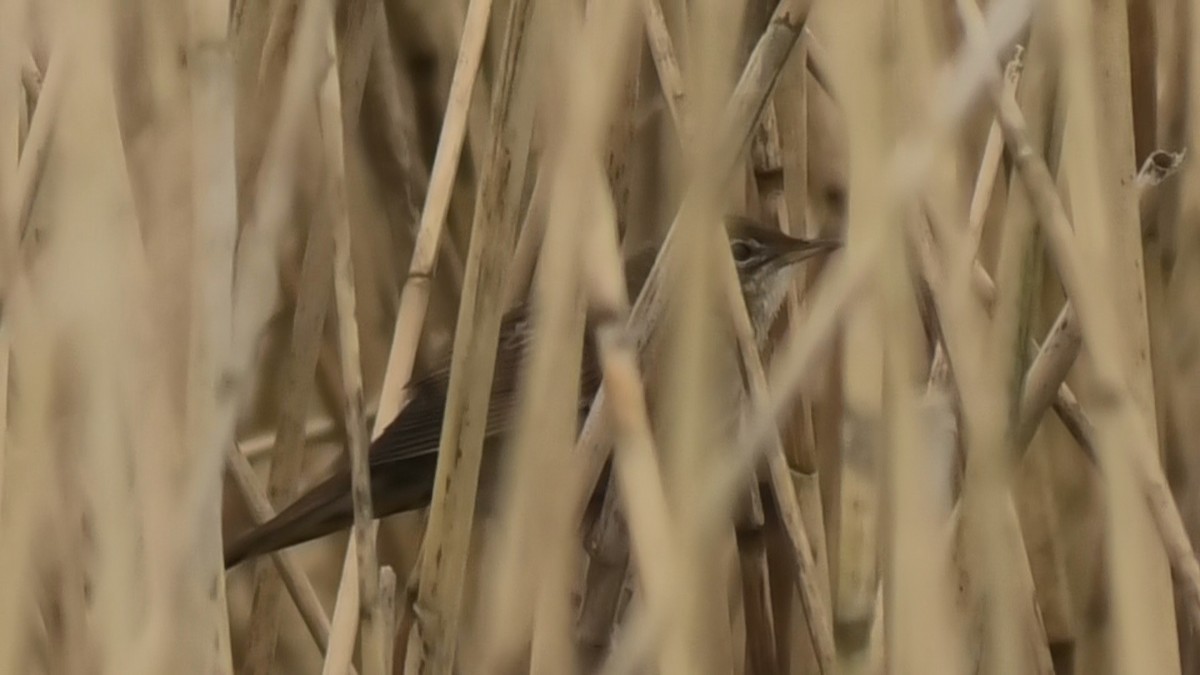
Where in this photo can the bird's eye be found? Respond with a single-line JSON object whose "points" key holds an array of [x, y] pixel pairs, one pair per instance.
{"points": [[741, 252]]}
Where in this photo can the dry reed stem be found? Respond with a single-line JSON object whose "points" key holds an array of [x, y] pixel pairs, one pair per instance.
{"points": [[741, 115], [859, 34], [529, 243], [995, 549], [844, 280], [636, 462], [760, 598], [5, 355], [921, 625], [355, 46], [374, 642], [1059, 349], [670, 77], [444, 561], [387, 607], [346, 612], [12, 14], [1098, 70], [842, 283], [288, 453], [791, 105], [532, 556], [215, 223], [608, 573], [40, 133], [1181, 237], [317, 430], [693, 365], [1045, 380], [995, 561], [312, 303], [85, 156], [747, 101], [254, 289], [414, 297], [989, 163], [28, 447], [786, 501], [981, 196], [255, 292], [1047, 373], [608, 540], [298, 585], [26, 500], [794, 522]]}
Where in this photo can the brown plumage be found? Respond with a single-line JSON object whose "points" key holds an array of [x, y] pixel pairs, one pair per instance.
{"points": [[403, 459]]}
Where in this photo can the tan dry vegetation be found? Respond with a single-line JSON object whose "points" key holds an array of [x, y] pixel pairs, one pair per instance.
{"points": [[233, 232]]}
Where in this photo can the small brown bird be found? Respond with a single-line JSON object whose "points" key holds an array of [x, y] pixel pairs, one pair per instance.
{"points": [[404, 458]]}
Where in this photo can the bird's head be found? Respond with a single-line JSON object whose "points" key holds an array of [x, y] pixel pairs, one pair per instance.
{"points": [[765, 259]]}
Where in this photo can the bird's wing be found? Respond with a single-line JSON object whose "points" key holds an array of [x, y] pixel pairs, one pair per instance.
{"points": [[418, 428]]}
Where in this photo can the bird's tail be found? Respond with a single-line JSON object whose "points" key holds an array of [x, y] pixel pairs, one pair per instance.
{"points": [[397, 485], [324, 510]]}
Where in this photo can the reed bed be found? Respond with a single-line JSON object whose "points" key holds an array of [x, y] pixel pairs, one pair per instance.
{"points": [[233, 232]]}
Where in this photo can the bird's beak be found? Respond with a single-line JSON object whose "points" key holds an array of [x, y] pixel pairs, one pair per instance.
{"points": [[803, 249]]}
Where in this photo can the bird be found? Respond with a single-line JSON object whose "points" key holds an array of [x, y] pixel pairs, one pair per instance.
{"points": [[403, 459]]}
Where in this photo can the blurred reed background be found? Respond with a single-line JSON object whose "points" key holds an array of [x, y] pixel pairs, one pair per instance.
{"points": [[233, 231]]}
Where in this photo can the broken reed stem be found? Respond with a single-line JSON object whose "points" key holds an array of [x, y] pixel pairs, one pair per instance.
{"points": [[1104, 264], [1045, 383], [1060, 237], [1096, 320]]}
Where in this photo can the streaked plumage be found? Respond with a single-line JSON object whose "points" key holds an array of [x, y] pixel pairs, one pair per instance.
{"points": [[403, 459]]}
